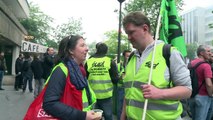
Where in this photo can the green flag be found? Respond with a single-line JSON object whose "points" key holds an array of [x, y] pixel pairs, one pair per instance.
{"points": [[170, 31]]}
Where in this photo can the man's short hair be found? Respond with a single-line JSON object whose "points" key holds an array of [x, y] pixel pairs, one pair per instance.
{"points": [[137, 18], [125, 51], [101, 48], [20, 55], [49, 48], [202, 48]]}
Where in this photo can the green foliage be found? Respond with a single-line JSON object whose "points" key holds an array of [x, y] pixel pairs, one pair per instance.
{"points": [[111, 39], [92, 48], [38, 25], [191, 50], [52, 43], [210, 25], [112, 43], [72, 27], [150, 8]]}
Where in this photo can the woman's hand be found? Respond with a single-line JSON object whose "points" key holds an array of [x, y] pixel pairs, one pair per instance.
{"points": [[91, 115]]}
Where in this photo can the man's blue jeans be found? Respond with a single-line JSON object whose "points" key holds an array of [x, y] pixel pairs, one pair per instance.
{"points": [[106, 106], [38, 86], [1, 77], [199, 107], [210, 112], [29, 79]]}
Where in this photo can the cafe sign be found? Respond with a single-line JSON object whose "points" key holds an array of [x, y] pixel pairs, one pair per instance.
{"points": [[32, 47]]}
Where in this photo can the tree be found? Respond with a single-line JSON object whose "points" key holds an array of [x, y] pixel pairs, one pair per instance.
{"points": [[72, 27], [191, 48], [111, 37], [149, 7], [38, 25], [92, 48], [111, 41]]}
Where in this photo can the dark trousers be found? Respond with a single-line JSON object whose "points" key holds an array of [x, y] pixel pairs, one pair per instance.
{"points": [[120, 99], [18, 82], [106, 106], [29, 79], [1, 77]]}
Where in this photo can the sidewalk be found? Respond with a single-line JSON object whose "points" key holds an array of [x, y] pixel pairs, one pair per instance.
{"points": [[14, 104]]}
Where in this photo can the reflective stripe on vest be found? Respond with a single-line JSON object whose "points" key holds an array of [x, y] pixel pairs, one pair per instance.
{"points": [[100, 81], [104, 91], [86, 106], [99, 78], [157, 109], [137, 84], [152, 106]]}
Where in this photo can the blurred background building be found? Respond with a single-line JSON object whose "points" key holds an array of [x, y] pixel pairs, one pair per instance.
{"points": [[197, 25], [12, 32]]}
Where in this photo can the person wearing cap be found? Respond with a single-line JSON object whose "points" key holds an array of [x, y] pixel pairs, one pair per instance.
{"points": [[102, 74]]}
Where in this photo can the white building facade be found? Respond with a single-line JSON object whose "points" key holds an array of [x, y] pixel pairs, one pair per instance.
{"points": [[197, 25]]}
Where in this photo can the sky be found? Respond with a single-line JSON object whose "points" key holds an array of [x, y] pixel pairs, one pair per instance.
{"points": [[98, 16], [189, 4]]}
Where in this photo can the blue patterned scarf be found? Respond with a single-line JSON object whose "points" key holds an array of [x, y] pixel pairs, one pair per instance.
{"points": [[76, 77]]}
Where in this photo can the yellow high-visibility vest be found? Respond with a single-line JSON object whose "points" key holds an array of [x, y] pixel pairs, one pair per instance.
{"points": [[99, 77], [157, 109]]}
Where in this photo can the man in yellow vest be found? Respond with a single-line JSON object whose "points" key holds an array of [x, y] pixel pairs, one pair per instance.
{"points": [[168, 85], [102, 73]]}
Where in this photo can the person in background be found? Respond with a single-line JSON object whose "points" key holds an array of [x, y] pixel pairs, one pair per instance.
{"points": [[120, 89], [69, 66], [48, 62], [18, 70], [37, 70], [200, 104], [126, 55], [102, 73], [27, 73], [3, 68], [168, 85], [210, 111]]}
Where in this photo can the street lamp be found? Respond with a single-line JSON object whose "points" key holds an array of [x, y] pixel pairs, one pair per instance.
{"points": [[119, 32], [115, 90]]}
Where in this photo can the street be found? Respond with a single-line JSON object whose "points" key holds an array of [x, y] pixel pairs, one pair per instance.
{"points": [[14, 104]]}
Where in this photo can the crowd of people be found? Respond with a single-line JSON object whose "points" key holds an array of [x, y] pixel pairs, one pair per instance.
{"points": [[29, 66], [90, 82]]}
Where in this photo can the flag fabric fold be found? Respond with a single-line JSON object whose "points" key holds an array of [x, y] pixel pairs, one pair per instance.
{"points": [[170, 31]]}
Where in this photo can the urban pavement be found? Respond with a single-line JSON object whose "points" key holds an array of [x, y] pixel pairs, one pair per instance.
{"points": [[14, 104]]}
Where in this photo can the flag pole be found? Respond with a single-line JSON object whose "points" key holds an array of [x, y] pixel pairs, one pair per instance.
{"points": [[152, 63]]}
